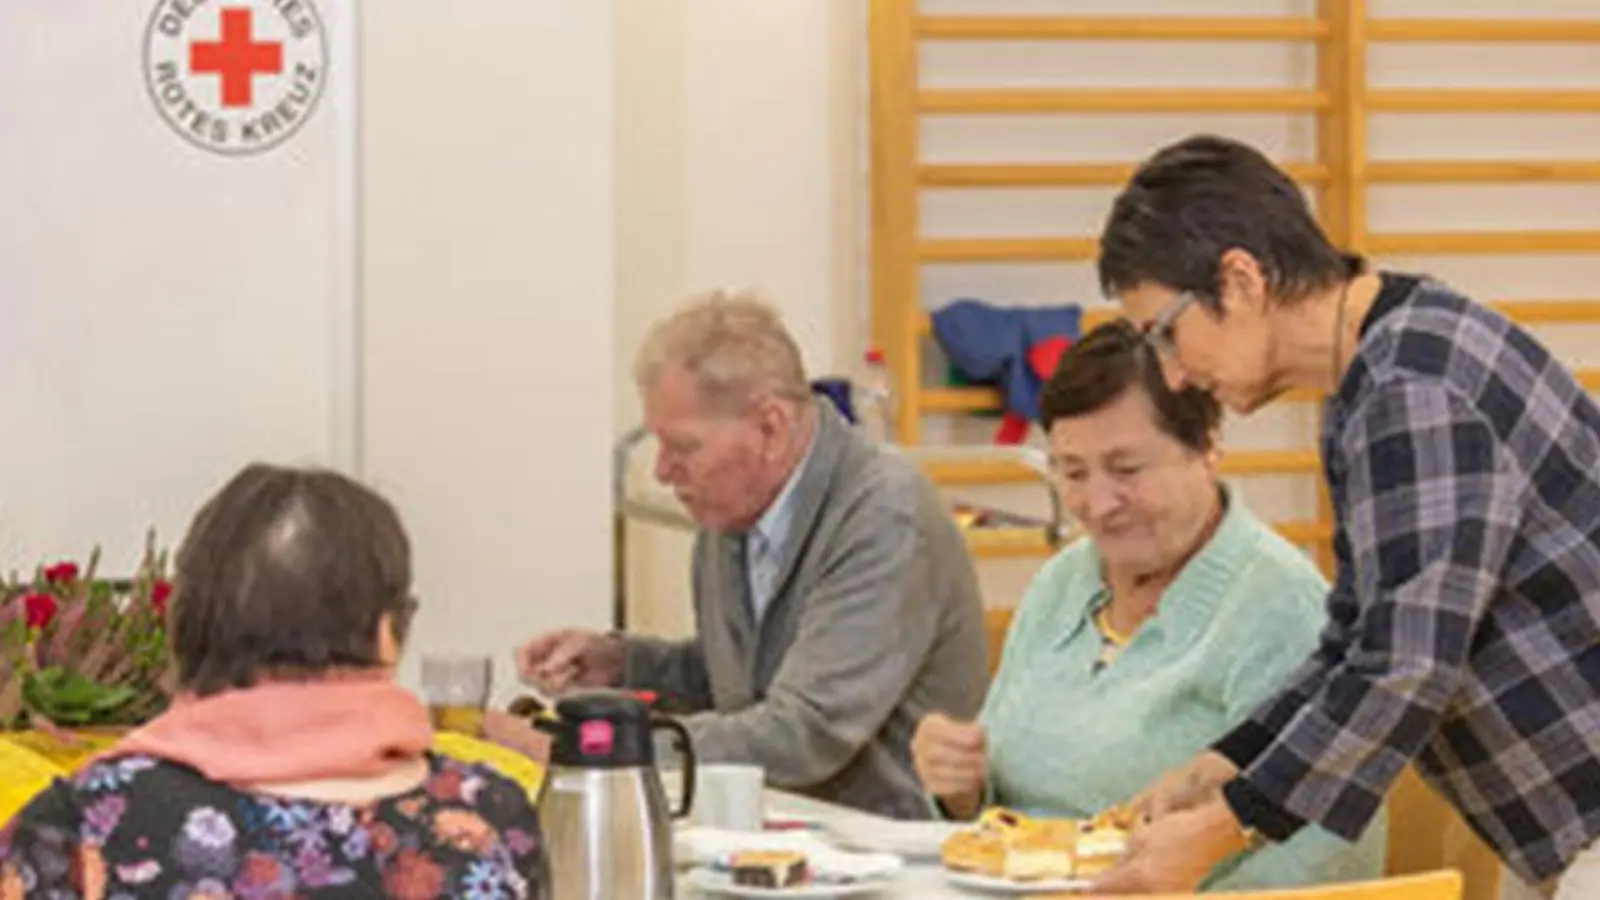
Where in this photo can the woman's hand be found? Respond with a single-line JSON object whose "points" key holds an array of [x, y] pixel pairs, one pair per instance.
{"points": [[1186, 787], [1176, 852], [952, 760]]}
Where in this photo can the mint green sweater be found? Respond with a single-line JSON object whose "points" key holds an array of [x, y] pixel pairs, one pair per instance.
{"points": [[1238, 619]]}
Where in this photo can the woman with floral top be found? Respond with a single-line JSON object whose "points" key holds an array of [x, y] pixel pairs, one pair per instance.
{"points": [[291, 764]]}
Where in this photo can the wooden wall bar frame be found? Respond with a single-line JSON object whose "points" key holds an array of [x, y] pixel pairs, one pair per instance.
{"points": [[1342, 100]]}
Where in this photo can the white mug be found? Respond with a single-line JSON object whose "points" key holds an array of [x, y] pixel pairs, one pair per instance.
{"points": [[730, 797]]}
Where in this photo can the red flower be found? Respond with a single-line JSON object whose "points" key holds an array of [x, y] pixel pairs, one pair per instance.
{"points": [[160, 593], [60, 572], [39, 610]]}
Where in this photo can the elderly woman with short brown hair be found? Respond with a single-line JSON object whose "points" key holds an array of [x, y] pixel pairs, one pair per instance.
{"points": [[291, 763], [1155, 633]]}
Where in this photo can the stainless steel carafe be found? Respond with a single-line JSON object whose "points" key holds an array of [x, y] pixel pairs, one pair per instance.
{"points": [[607, 827]]}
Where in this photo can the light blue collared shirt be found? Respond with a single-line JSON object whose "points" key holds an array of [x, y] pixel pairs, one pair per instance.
{"points": [[763, 544]]}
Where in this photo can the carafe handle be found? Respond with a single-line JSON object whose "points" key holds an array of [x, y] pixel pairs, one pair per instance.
{"points": [[685, 747]]}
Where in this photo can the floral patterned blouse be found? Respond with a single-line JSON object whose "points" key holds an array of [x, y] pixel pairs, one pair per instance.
{"points": [[137, 827]]}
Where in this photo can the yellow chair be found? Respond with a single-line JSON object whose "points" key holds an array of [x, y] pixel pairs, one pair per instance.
{"points": [[1429, 886], [996, 622], [1427, 834]]}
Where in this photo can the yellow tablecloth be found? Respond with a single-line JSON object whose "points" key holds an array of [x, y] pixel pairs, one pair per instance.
{"points": [[26, 773], [64, 754], [509, 763], [31, 760]]}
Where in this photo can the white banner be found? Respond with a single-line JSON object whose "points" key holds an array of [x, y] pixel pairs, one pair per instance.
{"points": [[177, 289]]}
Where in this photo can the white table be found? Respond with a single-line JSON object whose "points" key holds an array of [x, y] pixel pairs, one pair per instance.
{"points": [[919, 881]]}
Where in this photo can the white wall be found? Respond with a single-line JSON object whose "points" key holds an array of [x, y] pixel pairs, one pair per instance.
{"points": [[166, 313], [488, 229], [737, 163]]}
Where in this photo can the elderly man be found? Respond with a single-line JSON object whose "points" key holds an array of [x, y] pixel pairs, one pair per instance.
{"points": [[835, 602]]}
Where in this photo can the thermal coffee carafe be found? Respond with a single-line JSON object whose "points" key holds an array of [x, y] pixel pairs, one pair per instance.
{"points": [[607, 826]]}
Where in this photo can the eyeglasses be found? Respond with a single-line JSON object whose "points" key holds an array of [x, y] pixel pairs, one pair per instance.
{"points": [[403, 617], [1158, 331]]}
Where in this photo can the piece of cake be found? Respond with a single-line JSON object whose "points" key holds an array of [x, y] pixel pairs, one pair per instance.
{"points": [[1044, 852], [982, 848], [1019, 848], [1099, 848], [1002, 821], [971, 850], [769, 868], [1121, 817]]}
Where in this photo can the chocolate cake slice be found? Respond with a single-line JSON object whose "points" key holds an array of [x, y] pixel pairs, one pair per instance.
{"points": [[769, 868]]}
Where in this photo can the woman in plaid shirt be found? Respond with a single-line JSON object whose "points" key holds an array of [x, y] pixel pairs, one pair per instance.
{"points": [[1463, 463]]}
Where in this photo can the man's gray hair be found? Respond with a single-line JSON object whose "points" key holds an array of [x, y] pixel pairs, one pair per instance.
{"points": [[735, 346]]}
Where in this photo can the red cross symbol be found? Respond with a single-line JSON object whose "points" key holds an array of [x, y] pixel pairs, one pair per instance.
{"points": [[238, 58]]}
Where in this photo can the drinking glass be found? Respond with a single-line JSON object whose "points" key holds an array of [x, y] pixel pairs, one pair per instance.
{"points": [[457, 690]]}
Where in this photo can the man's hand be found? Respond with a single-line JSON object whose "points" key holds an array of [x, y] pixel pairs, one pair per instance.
{"points": [[952, 760], [1174, 853], [558, 661], [1195, 783]]}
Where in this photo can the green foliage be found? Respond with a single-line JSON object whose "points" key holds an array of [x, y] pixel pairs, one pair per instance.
{"points": [[78, 650]]}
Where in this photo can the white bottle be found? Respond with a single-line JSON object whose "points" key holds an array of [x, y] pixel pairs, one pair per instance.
{"points": [[874, 400]]}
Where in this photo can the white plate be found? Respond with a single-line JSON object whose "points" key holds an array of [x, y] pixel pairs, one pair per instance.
{"points": [[721, 884], [913, 840], [698, 846], [988, 884]]}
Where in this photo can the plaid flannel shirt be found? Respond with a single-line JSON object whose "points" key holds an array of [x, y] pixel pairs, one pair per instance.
{"points": [[1464, 625]]}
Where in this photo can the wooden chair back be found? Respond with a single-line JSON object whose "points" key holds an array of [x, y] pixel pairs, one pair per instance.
{"points": [[1427, 834], [996, 622]]}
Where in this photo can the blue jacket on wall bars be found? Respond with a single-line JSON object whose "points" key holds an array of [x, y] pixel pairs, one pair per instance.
{"points": [[991, 344]]}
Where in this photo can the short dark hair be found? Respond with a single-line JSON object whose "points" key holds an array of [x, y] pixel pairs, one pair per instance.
{"points": [[1113, 359], [1202, 196], [287, 573]]}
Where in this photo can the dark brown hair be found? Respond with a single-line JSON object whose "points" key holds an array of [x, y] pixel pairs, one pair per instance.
{"points": [[287, 573], [1113, 359], [1200, 197]]}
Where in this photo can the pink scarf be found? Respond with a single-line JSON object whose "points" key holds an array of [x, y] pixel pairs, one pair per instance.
{"points": [[357, 727]]}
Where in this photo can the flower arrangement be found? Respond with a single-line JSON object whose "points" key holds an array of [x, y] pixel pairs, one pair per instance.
{"points": [[83, 657], [79, 651]]}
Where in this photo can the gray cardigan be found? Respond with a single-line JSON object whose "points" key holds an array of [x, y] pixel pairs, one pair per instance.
{"points": [[875, 620]]}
